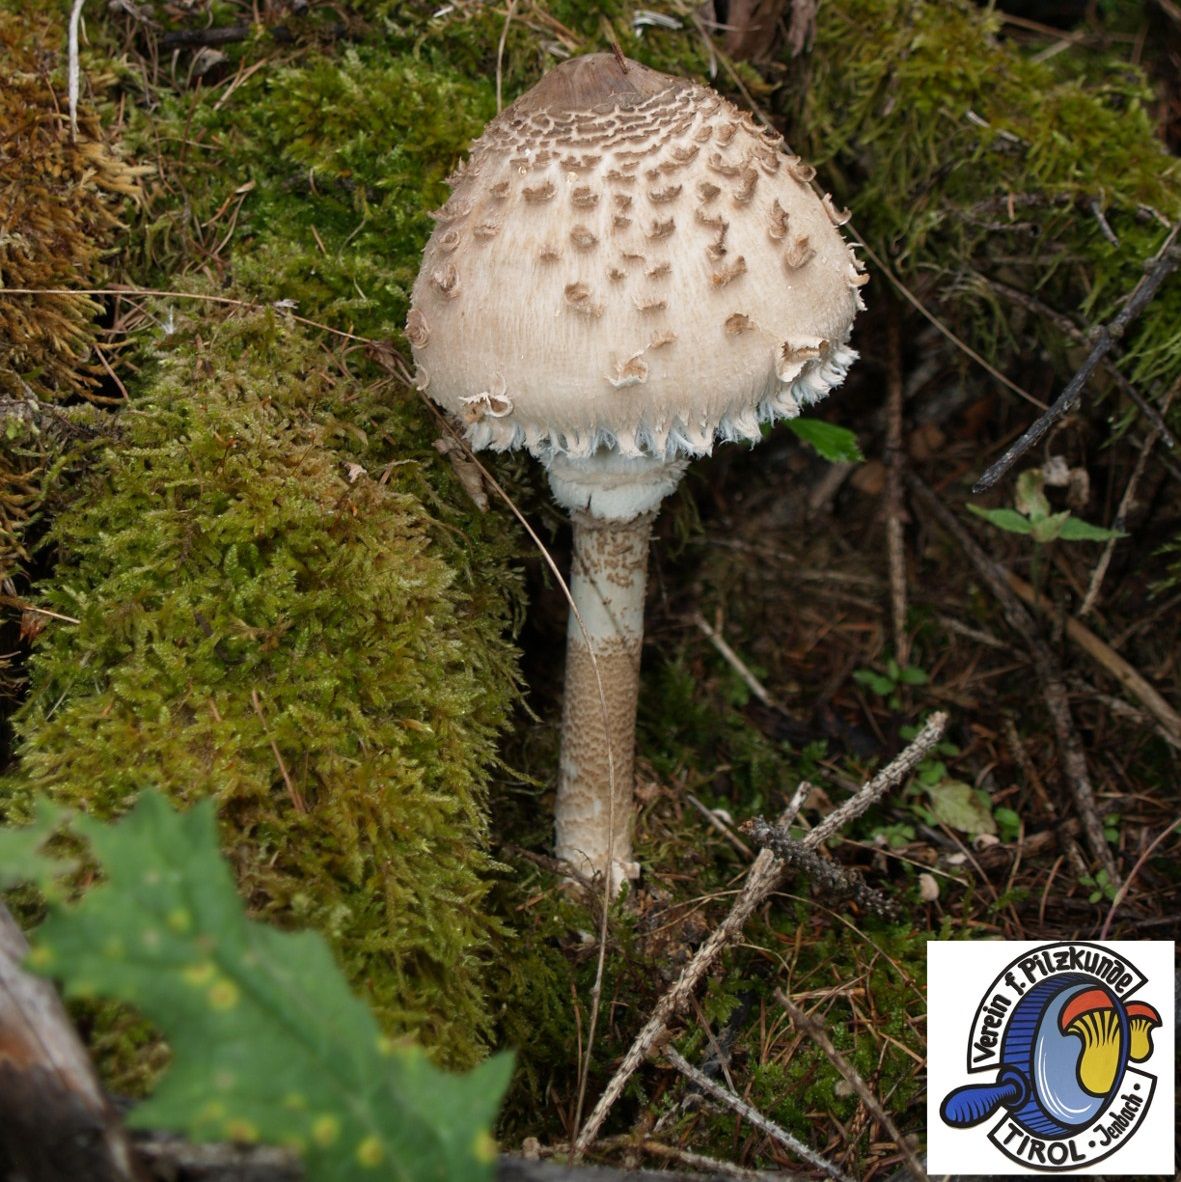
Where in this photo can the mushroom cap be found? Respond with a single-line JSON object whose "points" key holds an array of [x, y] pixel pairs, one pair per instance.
{"points": [[627, 261]]}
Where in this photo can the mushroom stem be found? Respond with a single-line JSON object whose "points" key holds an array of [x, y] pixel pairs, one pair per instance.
{"points": [[612, 501], [594, 805]]}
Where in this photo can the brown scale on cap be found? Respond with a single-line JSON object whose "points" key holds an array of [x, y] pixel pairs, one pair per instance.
{"points": [[713, 221], [578, 298], [632, 372], [805, 174], [799, 253], [664, 196], [453, 211], [737, 323], [726, 275], [779, 219], [446, 280], [583, 238], [536, 194], [838, 217], [652, 304], [746, 190], [584, 197], [417, 330]]}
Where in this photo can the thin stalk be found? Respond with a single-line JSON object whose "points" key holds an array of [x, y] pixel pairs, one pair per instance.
{"points": [[593, 811]]}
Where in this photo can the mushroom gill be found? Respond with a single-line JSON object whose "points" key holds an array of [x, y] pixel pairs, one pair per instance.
{"points": [[1093, 1017]]}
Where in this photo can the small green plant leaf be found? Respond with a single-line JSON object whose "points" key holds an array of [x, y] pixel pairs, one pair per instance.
{"points": [[1008, 519], [912, 675], [1008, 823], [1075, 530], [836, 444], [268, 1042], [958, 806], [874, 682], [1049, 527]]}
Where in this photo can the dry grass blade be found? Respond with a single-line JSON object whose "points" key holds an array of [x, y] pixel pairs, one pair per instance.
{"points": [[1162, 264], [1105, 655]]}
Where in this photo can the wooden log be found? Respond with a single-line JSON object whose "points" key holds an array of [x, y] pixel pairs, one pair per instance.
{"points": [[55, 1121]]}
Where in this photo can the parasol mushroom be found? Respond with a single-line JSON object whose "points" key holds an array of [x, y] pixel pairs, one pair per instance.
{"points": [[628, 269]]}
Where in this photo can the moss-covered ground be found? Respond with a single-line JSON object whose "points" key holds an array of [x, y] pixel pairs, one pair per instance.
{"points": [[234, 563]]}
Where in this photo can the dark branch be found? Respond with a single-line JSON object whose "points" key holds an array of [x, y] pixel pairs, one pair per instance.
{"points": [[1163, 263], [830, 876]]}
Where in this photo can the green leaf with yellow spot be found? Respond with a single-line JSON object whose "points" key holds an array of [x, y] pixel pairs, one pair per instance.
{"points": [[261, 1019]]}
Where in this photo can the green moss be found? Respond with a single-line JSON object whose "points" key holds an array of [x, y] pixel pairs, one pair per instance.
{"points": [[873, 984], [267, 615], [969, 165]]}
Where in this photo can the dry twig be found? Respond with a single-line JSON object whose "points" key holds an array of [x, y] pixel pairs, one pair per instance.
{"points": [[816, 1032], [760, 882], [751, 1115], [834, 880], [1100, 651], [1067, 327], [1121, 514], [895, 464], [1159, 267], [736, 663], [1070, 749]]}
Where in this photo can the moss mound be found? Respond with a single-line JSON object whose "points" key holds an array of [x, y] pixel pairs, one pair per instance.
{"points": [[265, 615], [999, 185]]}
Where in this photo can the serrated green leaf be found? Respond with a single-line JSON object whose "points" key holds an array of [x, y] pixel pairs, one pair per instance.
{"points": [[1075, 530], [21, 857], [1008, 519], [836, 444], [957, 806], [268, 1042]]}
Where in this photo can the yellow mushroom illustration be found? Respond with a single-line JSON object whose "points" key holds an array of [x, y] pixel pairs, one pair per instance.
{"points": [[1142, 1020], [1093, 1016]]}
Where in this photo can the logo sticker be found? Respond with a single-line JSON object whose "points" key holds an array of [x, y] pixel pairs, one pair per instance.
{"points": [[1051, 1057]]}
